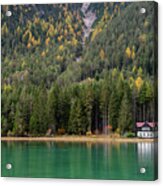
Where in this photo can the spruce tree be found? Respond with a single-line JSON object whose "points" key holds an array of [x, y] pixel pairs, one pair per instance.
{"points": [[88, 105], [72, 124], [125, 115], [114, 109], [19, 124]]}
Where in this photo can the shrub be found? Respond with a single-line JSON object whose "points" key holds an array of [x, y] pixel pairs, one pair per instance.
{"points": [[129, 135], [88, 133], [61, 131]]}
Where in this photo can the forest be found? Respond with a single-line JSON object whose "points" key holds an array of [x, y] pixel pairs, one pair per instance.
{"points": [[78, 69]]}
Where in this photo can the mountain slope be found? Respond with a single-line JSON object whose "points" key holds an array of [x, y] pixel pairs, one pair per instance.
{"points": [[73, 68]]}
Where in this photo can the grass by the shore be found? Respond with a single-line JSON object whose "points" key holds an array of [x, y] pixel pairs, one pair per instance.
{"points": [[92, 138]]}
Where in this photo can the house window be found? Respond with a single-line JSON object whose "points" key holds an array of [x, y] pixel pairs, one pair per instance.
{"points": [[145, 129]]}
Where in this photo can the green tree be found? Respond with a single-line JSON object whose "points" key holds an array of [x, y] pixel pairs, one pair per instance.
{"points": [[52, 108], [38, 120], [114, 109], [125, 115], [88, 105], [104, 103], [74, 118], [19, 124], [34, 119]]}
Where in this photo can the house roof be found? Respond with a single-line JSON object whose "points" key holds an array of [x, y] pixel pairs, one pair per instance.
{"points": [[146, 124], [108, 126]]}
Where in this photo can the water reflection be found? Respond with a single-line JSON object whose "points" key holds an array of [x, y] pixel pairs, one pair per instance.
{"points": [[79, 160], [148, 157]]}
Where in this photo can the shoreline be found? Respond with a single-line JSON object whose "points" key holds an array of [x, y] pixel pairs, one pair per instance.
{"points": [[94, 139]]}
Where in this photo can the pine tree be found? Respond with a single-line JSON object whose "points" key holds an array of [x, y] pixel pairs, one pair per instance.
{"points": [[43, 124], [125, 115], [38, 120], [34, 119], [104, 103], [114, 109], [73, 119], [19, 125], [24, 104], [52, 107], [88, 104]]}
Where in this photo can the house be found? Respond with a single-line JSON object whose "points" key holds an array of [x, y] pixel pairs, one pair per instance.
{"points": [[147, 129]]}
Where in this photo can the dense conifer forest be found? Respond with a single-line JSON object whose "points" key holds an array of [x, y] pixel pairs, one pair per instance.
{"points": [[78, 68]]}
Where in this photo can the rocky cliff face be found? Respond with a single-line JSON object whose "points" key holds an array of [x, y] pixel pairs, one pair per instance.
{"points": [[88, 19]]}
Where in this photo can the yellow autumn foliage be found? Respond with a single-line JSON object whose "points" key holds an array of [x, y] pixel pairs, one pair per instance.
{"points": [[59, 38], [29, 45], [36, 20], [43, 54], [47, 41], [44, 25], [59, 58], [35, 42], [61, 48], [4, 29], [7, 88], [68, 19], [51, 31], [138, 82], [140, 71], [23, 64], [146, 24], [114, 72], [71, 30], [143, 38], [106, 15], [74, 42], [128, 52], [32, 39], [134, 69], [38, 41], [65, 32], [79, 33], [27, 35], [131, 82], [95, 33], [133, 53], [18, 30], [102, 54], [76, 26]]}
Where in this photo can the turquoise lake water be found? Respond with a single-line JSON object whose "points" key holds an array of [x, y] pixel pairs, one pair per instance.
{"points": [[80, 160]]}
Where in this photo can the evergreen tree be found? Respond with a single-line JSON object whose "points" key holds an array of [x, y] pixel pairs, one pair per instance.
{"points": [[88, 105], [42, 105], [34, 119], [114, 110], [52, 108], [125, 122], [19, 124], [74, 118], [63, 109], [104, 104]]}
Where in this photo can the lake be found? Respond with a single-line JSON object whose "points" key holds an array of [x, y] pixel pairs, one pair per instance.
{"points": [[80, 160]]}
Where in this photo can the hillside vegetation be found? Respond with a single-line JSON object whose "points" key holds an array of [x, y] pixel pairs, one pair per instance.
{"points": [[62, 76]]}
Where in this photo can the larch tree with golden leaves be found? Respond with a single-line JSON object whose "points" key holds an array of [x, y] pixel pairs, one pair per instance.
{"points": [[138, 83], [102, 54], [128, 52]]}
